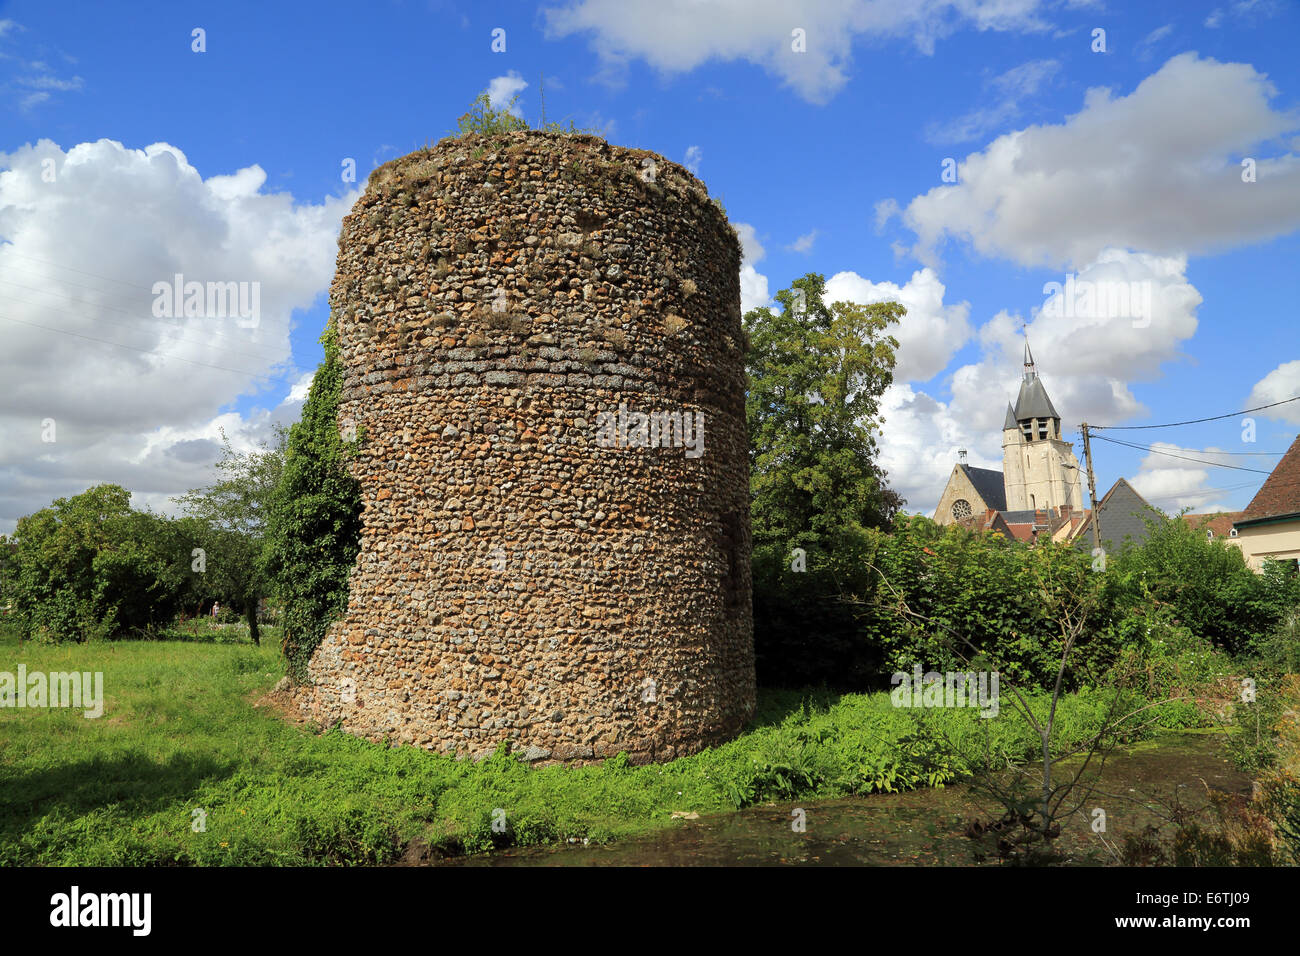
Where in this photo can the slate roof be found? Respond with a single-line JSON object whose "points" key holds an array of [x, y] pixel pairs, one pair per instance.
{"points": [[1122, 510], [1279, 496], [1010, 420], [989, 485], [1032, 402]]}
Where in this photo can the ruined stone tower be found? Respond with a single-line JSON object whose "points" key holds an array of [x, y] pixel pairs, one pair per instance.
{"points": [[541, 343]]}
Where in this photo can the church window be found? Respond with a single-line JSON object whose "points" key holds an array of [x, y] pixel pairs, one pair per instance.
{"points": [[961, 508], [1042, 428]]}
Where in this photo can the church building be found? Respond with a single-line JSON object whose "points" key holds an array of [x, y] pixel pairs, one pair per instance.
{"points": [[1039, 483]]}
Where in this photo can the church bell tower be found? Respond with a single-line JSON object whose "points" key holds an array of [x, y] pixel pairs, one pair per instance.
{"points": [[1039, 468]]}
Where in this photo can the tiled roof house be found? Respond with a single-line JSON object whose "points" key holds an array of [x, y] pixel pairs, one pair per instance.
{"points": [[1270, 525], [1215, 525]]}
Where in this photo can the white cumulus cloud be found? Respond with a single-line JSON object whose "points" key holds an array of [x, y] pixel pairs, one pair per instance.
{"points": [[928, 335], [1158, 170], [1277, 386], [502, 89], [1086, 361], [676, 36], [753, 284], [137, 399]]}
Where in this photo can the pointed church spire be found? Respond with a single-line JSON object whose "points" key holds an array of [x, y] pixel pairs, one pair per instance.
{"points": [[1010, 420], [1032, 403]]}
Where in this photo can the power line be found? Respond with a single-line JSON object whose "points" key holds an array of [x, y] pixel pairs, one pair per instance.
{"points": [[1199, 461], [59, 279], [133, 348], [1245, 454], [1196, 421], [96, 275], [1203, 493], [89, 288], [260, 352], [1156, 451]]}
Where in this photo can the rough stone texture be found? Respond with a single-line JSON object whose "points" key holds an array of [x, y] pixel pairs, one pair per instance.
{"points": [[518, 579]]}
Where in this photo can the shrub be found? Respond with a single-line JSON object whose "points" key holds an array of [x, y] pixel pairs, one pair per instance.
{"points": [[1160, 616], [805, 628], [974, 594], [1252, 744], [1278, 651], [1230, 831], [1207, 583], [91, 567], [1165, 661], [484, 120], [313, 534]]}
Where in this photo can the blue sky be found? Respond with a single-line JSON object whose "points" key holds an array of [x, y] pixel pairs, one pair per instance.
{"points": [[1122, 165]]}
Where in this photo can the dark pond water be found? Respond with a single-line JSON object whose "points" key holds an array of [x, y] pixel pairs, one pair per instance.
{"points": [[924, 827]]}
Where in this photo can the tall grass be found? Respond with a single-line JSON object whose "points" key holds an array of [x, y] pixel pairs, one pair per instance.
{"points": [[181, 733]]}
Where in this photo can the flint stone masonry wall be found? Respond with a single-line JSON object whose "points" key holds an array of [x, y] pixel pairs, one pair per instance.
{"points": [[518, 579]]}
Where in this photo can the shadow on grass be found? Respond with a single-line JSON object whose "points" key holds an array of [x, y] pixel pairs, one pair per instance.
{"points": [[186, 633], [775, 704], [207, 634], [133, 782]]}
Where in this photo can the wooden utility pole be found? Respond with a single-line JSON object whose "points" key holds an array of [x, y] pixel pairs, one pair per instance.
{"points": [[1092, 488]]}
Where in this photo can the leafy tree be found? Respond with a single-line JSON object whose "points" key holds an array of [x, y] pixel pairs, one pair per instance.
{"points": [[232, 516], [195, 589], [314, 524], [90, 567], [816, 374]]}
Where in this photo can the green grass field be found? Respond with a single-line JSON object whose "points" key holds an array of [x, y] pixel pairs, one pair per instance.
{"points": [[181, 733]]}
